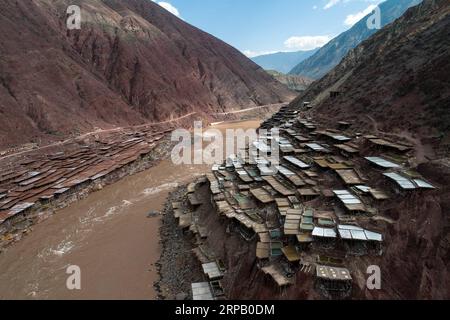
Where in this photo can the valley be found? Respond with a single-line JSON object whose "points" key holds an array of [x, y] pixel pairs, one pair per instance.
{"points": [[144, 158]]}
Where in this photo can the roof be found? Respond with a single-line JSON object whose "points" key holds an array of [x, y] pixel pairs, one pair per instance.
{"points": [[304, 238], [297, 162], [176, 205], [264, 237], [346, 148], [185, 220], [407, 183], [324, 232], [350, 201], [285, 171], [316, 147], [349, 176], [243, 201], [385, 143], [291, 176], [290, 252], [423, 184], [340, 137], [193, 200], [302, 138], [383, 162], [243, 175], [191, 187], [291, 224], [378, 194], [262, 195], [279, 187], [282, 202], [335, 136], [306, 227], [338, 166], [266, 171], [263, 250], [277, 275], [211, 269], [332, 273], [323, 163], [177, 213], [307, 192], [403, 182], [262, 146], [363, 188], [349, 232], [275, 248], [201, 291]]}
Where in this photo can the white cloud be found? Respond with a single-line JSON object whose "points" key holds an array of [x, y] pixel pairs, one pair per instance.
{"points": [[331, 3], [314, 7], [354, 18], [306, 42], [252, 54], [169, 7]]}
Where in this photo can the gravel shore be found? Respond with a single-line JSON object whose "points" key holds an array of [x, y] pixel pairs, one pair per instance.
{"points": [[177, 266]]}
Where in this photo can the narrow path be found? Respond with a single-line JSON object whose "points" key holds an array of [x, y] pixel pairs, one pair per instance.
{"points": [[98, 131]]}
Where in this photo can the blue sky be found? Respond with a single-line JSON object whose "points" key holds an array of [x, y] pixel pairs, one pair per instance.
{"points": [[265, 26]]}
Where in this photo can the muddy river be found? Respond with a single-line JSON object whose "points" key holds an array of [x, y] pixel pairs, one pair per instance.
{"points": [[108, 235]]}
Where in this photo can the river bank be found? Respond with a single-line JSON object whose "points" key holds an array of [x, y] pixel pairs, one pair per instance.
{"points": [[107, 234], [177, 266]]}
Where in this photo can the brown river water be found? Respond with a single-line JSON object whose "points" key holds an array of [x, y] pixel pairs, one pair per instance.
{"points": [[108, 235]]}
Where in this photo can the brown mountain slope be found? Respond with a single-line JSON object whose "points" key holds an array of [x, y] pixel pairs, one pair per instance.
{"points": [[131, 62], [397, 81], [294, 82], [396, 84]]}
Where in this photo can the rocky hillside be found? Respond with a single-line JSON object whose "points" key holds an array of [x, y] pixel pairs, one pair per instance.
{"points": [[332, 53], [397, 84], [132, 62], [283, 61], [293, 82], [397, 81]]}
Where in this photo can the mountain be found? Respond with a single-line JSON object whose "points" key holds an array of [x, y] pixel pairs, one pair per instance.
{"points": [[397, 81], [282, 61], [132, 62], [293, 82], [332, 53], [396, 85]]}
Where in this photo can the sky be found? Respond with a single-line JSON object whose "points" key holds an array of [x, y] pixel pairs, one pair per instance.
{"points": [[258, 27]]}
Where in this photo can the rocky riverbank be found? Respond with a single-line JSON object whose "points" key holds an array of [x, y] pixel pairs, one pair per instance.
{"points": [[177, 266]]}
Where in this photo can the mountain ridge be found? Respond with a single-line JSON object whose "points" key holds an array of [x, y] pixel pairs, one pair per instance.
{"points": [[329, 56], [396, 81], [131, 63], [283, 61]]}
